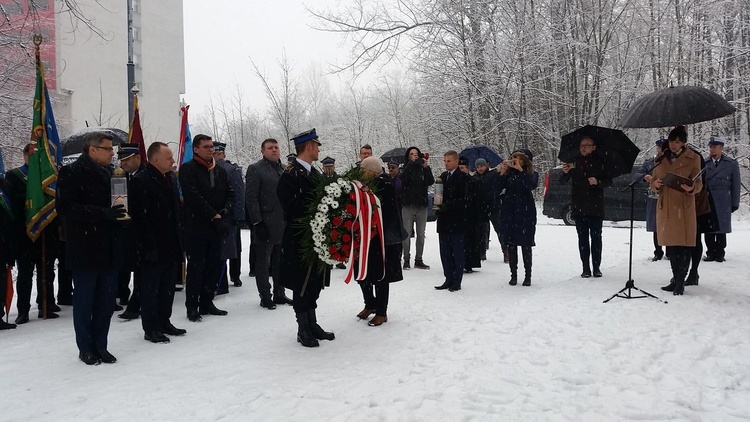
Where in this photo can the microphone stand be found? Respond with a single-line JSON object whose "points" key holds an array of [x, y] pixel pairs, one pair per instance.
{"points": [[627, 291]]}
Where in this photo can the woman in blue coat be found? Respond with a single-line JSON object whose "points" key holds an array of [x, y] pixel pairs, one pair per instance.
{"points": [[518, 212]]}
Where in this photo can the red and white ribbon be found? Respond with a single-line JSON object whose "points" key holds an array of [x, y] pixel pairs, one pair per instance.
{"points": [[366, 215]]}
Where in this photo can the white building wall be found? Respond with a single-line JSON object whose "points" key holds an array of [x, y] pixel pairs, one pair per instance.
{"points": [[92, 71]]}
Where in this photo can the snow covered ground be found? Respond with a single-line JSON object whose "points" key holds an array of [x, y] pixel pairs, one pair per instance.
{"points": [[491, 352]]}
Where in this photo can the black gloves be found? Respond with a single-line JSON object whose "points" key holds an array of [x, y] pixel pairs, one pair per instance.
{"points": [[261, 232], [118, 211], [220, 227]]}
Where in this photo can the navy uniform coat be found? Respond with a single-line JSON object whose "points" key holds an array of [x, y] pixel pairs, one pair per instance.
{"points": [[295, 190], [723, 182]]}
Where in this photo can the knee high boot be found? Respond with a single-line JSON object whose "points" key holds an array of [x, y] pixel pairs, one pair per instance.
{"points": [[526, 251], [513, 263], [315, 329], [304, 336]]}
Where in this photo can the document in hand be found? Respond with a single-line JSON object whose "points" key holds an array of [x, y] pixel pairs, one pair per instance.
{"points": [[674, 181]]}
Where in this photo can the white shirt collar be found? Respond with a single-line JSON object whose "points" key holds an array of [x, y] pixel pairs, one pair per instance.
{"points": [[305, 164]]}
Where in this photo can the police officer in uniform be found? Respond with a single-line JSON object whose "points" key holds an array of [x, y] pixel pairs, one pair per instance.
{"points": [[294, 191]]}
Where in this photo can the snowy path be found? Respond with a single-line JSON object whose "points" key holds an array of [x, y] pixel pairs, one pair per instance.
{"points": [[490, 352]]}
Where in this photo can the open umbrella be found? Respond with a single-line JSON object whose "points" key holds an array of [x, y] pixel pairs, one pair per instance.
{"points": [[73, 144], [675, 106], [617, 150], [475, 152], [396, 154]]}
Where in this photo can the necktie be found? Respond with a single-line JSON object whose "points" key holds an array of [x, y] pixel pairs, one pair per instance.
{"points": [[716, 163]]}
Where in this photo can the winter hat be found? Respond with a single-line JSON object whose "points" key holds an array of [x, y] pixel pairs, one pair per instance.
{"points": [[373, 164], [525, 152], [463, 161], [481, 162]]}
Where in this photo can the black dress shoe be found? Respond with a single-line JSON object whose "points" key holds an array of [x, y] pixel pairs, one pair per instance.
{"points": [[454, 288], [586, 273], [105, 356], [50, 315], [89, 358], [53, 308], [118, 307], [657, 258], [268, 304], [128, 315], [251, 274], [22, 319], [720, 259], [709, 258], [5, 325], [237, 283], [194, 316], [156, 337], [597, 273], [171, 330], [443, 286], [283, 300], [211, 309]]}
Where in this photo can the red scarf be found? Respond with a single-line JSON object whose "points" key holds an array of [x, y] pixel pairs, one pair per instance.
{"points": [[210, 166]]}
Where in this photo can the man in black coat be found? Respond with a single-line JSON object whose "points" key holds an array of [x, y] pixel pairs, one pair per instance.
{"points": [[7, 246], [491, 212], [91, 225], [132, 164], [267, 220], [451, 222], [589, 178], [208, 201], [231, 246], [155, 206], [295, 188], [416, 176], [40, 254]]}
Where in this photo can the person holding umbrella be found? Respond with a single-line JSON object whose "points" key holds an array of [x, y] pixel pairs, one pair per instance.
{"points": [[675, 212], [589, 177]]}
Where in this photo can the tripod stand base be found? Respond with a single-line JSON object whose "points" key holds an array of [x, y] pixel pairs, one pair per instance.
{"points": [[627, 293]]}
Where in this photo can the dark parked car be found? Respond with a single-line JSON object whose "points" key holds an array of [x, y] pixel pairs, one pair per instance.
{"points": [[616, 202]]}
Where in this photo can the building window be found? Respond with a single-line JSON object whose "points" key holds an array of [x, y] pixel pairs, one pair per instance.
{"points": [[136, 6], [39, 4], [137, 60], [136, 34], [12, 8]]}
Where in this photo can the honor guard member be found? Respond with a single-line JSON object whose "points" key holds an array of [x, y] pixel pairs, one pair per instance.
{"points": [[294, 191], [131, 163], [723, 179], [231, 245], [329, 166], [30, 253]]}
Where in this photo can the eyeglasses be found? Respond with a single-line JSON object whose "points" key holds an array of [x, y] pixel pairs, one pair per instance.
{"points": [[207, 147], [110, 149]]}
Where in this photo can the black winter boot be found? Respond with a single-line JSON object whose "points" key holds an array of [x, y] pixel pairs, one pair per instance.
{"points": [[513, 264], [692, 278], [670, 286], [679, 286], [526, 250], [304, 336], [315, 329]]}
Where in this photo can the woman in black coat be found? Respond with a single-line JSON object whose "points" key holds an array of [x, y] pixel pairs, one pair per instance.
{"points": [[375, 287], [518, 215]]}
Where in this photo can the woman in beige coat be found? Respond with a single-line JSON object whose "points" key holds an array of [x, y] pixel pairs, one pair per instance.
{"points": [[675, 210]]}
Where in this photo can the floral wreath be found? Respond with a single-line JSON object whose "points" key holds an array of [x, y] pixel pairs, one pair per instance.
{"points": [[340, 222]]}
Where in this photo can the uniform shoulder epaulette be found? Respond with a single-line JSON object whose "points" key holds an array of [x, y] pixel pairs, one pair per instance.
{"points": [[289, 168]]}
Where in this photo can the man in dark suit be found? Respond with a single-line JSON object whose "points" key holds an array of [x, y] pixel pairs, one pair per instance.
{"points": [[267, 220], [91, 223], [451, 222], [208, 201], [723, 180], [294, 191], [155, 207], [132, 165]]}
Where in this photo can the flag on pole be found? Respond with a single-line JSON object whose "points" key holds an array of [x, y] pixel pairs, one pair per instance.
{"points": [[186, 139], [135, 135], [2, 163], [43, 162]]}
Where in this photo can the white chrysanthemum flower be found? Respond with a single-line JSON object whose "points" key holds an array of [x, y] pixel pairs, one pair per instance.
{"points": [[335, 204], [322, 207]]}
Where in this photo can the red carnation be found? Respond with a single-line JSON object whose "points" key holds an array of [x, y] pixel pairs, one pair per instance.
{"points": [[334, 234], [336, 221], [351, 209], [346, 239], [348, 224], [332, 249]]}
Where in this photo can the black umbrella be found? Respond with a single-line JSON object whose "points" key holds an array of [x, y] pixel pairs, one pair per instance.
{"points": [[73, 144], [617, 150], [396, 154], [675, 106]]}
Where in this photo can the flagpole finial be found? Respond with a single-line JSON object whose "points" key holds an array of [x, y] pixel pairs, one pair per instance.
{"points": [[135, 90], [38, 39]]}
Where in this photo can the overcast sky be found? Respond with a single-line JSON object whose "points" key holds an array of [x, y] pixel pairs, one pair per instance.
{"points": [[222, 35]]}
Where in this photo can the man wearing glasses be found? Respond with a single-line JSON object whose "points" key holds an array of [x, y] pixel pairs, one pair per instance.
{"points": [[208, 202], [91, 225], [587, 202]]}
